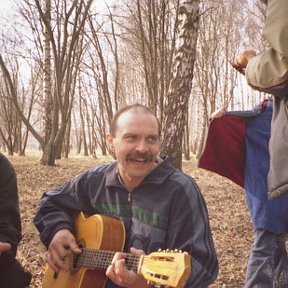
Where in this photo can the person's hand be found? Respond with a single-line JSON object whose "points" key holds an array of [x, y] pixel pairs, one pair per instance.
{"points": [[244, 57], [242, 60], [218, 113], [62, 245], [120, 275], [4, 247]]}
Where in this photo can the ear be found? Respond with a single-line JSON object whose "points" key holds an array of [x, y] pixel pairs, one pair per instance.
{"points": [[110, 144], [109, 140]]}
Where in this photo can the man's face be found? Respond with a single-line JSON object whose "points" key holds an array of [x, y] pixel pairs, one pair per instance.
{"points": [[136, 144]]}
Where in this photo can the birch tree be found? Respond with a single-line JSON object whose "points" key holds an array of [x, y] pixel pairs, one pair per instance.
{"points": [[181, 83]]}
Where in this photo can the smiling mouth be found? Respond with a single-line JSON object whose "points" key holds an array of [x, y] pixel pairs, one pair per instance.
{"points": [[140, 158]]}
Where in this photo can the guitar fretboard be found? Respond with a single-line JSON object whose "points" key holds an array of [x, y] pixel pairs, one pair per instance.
{"points": [[101, 259]]}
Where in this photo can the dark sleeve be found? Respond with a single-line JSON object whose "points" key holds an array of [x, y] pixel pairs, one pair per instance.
{"points": [[190, 231], [243, 114], [249, 113], [58, 207], [10, 224]]}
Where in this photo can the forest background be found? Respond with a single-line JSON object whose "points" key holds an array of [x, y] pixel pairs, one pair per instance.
{"points": [[67, 66]]}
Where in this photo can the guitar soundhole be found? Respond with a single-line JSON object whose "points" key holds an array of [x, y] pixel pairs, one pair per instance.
{"points": [[74, 261], [55, 275]]}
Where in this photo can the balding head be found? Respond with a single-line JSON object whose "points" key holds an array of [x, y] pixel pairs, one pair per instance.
{"points": [[134, 107]]}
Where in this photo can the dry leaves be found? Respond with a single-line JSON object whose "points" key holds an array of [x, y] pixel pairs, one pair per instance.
{"points": [[229, 218]]}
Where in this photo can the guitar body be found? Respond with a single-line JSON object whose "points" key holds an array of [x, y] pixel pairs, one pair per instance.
{"points": [[95, 232]]}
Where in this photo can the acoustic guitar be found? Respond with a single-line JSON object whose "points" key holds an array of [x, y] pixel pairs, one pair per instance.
{"points": [[100, 237]]}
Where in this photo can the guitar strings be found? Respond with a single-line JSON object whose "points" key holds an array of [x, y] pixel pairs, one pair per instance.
{"points": [[101, 259]]}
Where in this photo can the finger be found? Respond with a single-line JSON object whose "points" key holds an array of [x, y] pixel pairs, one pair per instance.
{"points": [[4, 246], [51, 262], [69, 244], [122, 276], [119, 273], [64, 240], [137, 251], [110, 272], [75, 248], [239, 68], [57, 256], [63, 249], [119, 266], [118, 256], [59, 261]]}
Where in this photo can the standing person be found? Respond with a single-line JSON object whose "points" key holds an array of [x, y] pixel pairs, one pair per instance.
{"points": [[268, 72], [160, 206], [12, 275], [250, 132]]}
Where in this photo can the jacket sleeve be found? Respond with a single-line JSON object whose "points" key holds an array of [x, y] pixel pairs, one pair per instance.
{"points": [[10, 224], [268, 71], [57, 208], [189, 229]]}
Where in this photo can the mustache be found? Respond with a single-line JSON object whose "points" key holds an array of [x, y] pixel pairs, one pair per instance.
{"points": [[136, 155]]}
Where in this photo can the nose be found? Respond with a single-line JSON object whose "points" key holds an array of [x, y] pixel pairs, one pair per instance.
{"points": [[141, 146]]}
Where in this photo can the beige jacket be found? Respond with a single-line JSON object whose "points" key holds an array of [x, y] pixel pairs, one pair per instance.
{"points": [[268, 72]]}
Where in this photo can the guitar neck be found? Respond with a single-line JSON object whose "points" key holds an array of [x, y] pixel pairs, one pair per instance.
{"points": [[101, 259]]}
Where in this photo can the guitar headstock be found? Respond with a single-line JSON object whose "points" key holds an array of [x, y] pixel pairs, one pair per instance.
{"points": [[167, 268]]}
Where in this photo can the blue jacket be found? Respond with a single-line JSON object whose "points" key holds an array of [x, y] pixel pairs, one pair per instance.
{"points": [[166, 211], [237, 147], [268, 214]]}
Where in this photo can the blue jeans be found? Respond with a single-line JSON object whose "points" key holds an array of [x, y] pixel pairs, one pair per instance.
{"points": [[268, 261]]}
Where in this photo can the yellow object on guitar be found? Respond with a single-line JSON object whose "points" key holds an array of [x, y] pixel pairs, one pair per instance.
{"points": [[87, 270]]}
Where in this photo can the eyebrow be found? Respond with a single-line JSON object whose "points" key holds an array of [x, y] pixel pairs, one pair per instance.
{"points": [[135, 133]]}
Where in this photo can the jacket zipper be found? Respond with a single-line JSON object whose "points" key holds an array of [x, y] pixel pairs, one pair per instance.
{"points": [[129, 196]]}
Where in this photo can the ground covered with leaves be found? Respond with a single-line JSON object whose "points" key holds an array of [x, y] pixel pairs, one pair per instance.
{"points": [[229, 218]]}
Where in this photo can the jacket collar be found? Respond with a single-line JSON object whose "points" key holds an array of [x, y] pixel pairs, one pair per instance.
{"points": [[157, 176]]}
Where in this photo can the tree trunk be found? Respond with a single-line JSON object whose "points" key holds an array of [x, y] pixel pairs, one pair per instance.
{"points": [[47, 83], [48, 155], [83, 137], [181, 83], [186, 143]]}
